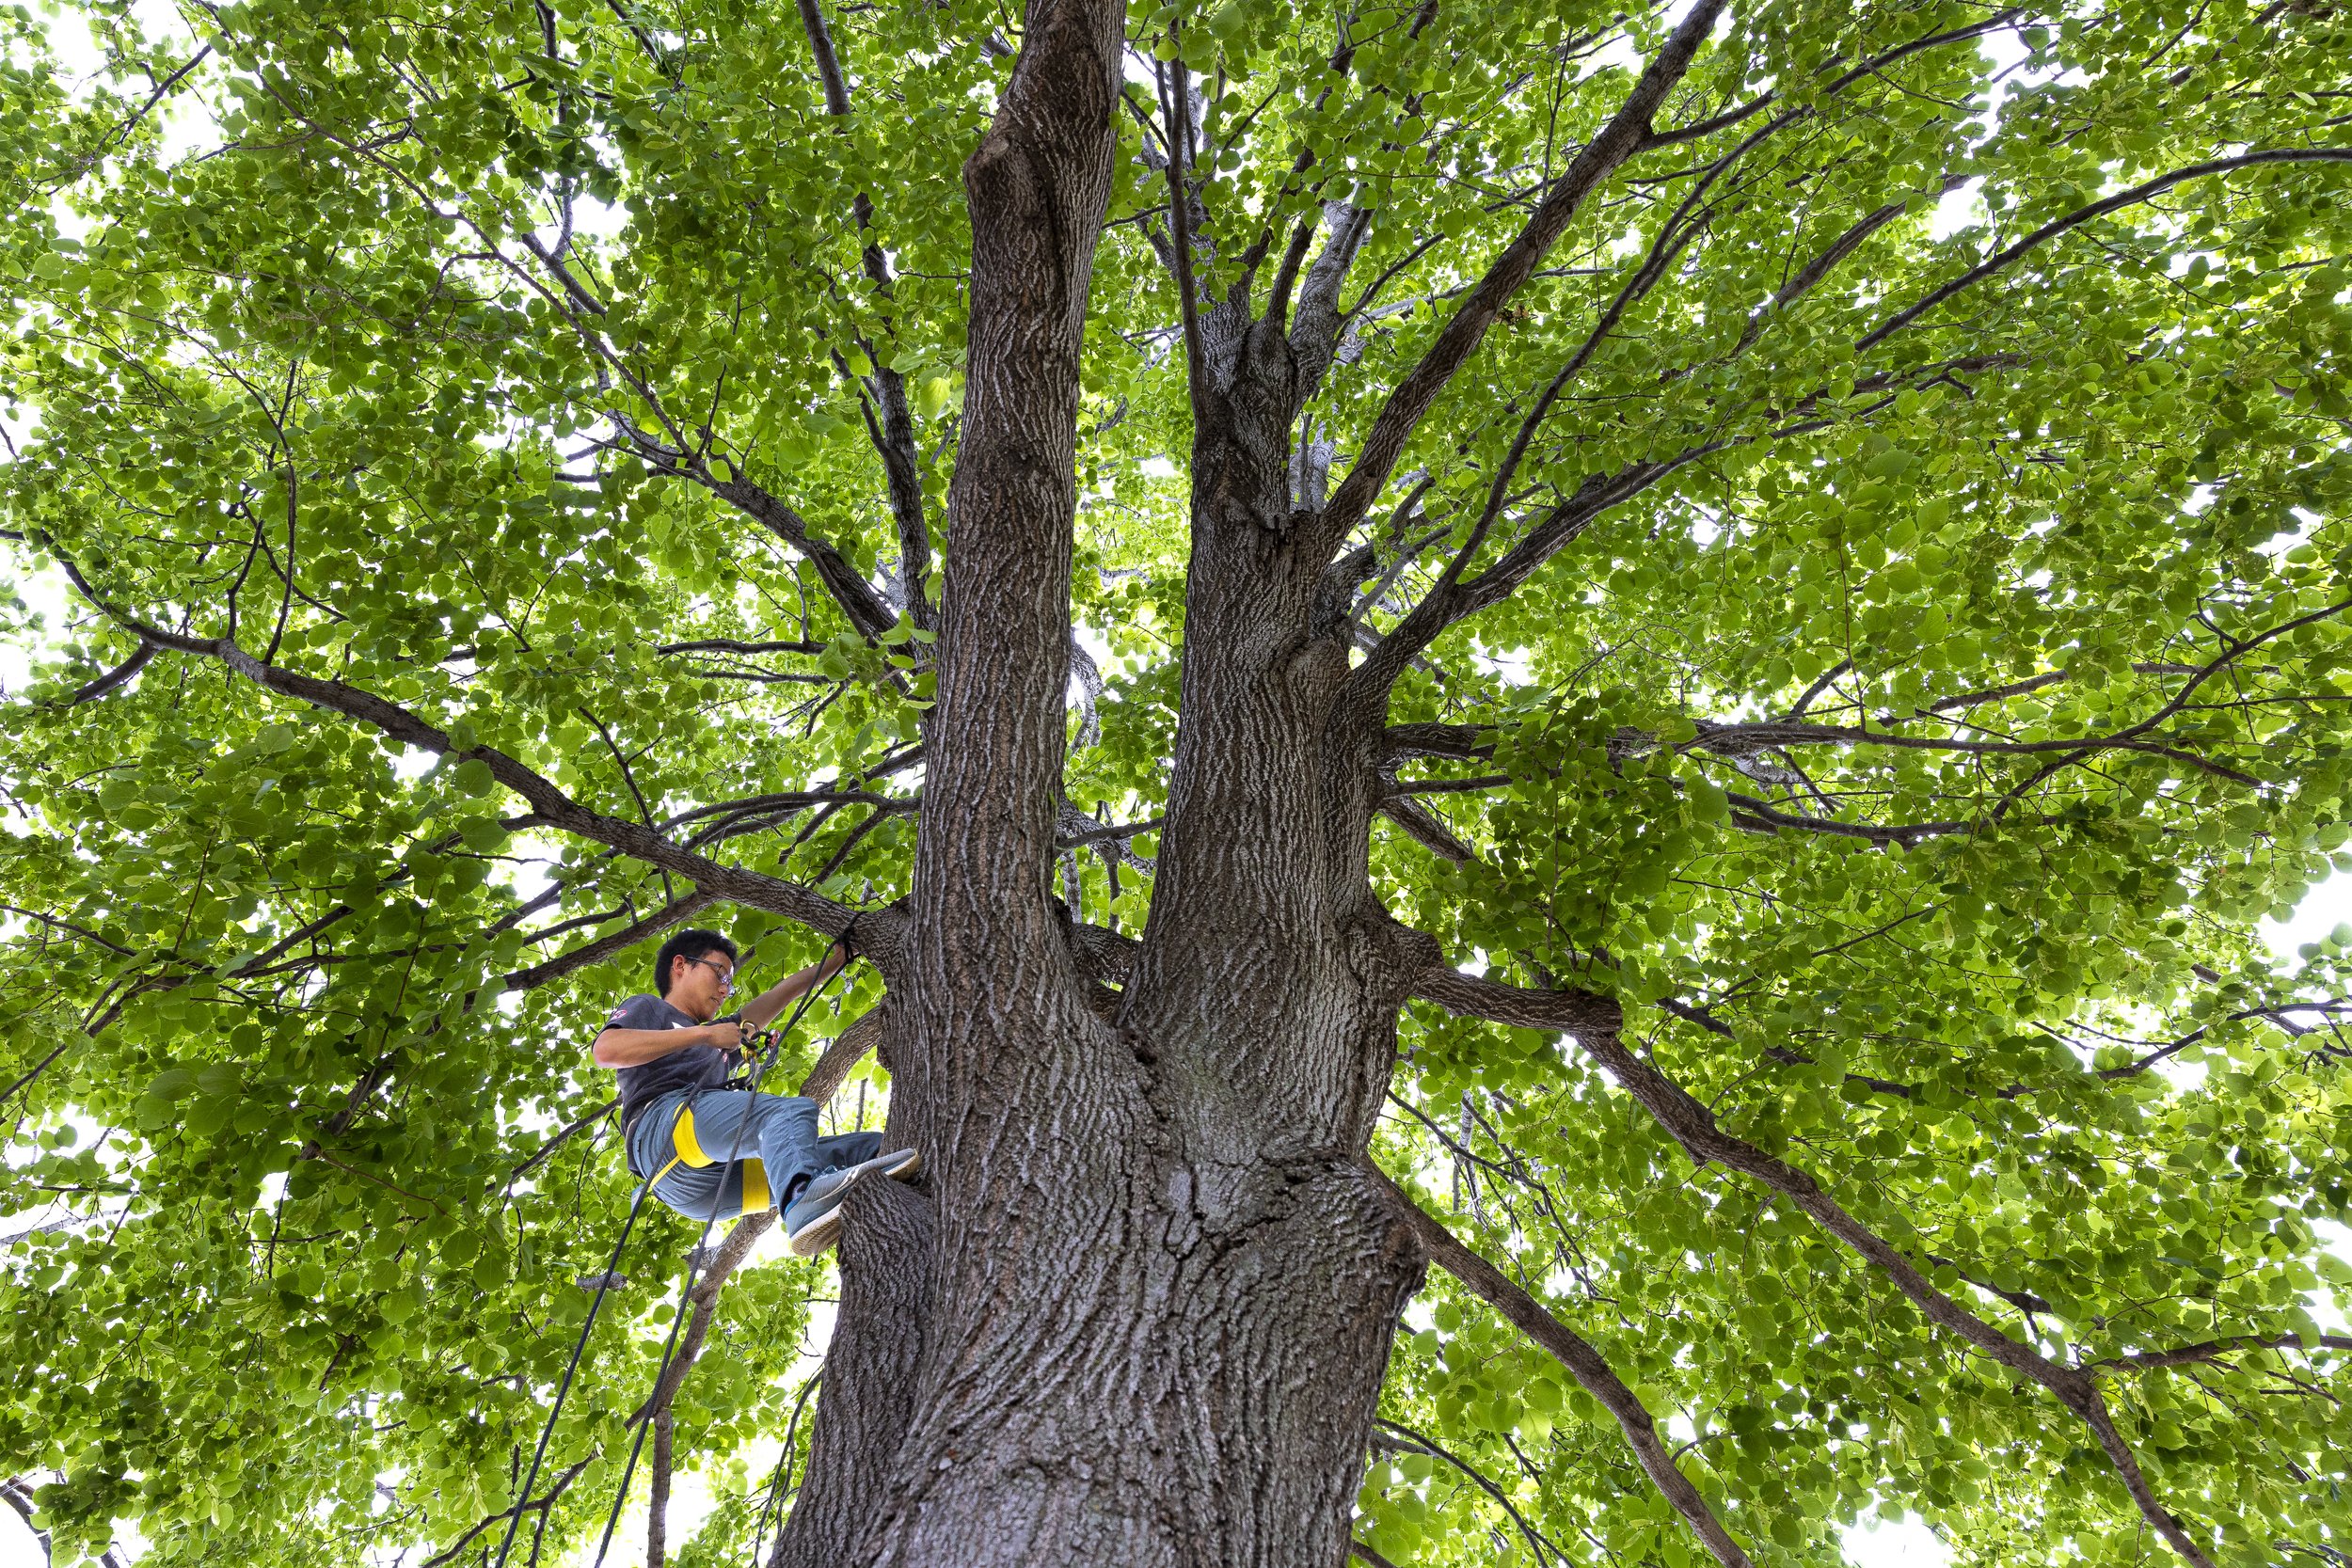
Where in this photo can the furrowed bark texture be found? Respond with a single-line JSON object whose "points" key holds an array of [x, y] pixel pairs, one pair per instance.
{"points": [[1138, 1308], [885, 1254]]}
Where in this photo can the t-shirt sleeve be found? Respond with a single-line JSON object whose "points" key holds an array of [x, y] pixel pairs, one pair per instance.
{"points": [[641, 1012]]}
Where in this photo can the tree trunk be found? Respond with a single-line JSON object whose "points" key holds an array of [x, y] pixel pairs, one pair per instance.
{"points": [[885, 1254], [1137, 1355], [1138, 1308]]}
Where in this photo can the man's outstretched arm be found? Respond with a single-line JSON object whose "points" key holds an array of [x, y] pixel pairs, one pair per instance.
{"points": [[762, 1009]]}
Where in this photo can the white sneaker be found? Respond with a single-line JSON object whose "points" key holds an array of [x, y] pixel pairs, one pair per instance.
{"points": [[813, 1220]]}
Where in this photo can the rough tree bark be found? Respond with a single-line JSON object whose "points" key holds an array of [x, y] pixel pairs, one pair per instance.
{"points": [[1138, 1309], [1157, 1292]]}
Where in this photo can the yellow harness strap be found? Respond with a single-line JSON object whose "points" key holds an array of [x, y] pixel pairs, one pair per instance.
{"points": [[756, 1195]]}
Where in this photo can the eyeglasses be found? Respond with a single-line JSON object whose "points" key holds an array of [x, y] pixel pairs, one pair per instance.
{"points": [[727, 977]]}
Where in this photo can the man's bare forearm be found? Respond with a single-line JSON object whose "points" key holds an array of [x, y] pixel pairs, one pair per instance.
{"points": [[636, 1047], [763, 1008]]}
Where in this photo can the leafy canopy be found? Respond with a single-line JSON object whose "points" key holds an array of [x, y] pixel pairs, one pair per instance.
{"points": [[1911, 748]]}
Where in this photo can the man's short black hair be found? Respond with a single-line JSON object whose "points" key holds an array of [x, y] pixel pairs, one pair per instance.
{"points": [[686, 945]]}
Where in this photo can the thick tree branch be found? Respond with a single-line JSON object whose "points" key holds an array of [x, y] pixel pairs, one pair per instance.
{"points": [[1417, 393], [1426, 828], [867, 609], [1460, 742], [1747, 740], [1037, 189], [120, 675], [1585, 1363], [557, 809], [1809, 275], [2213, 1350], [893, 435], [1177, 106], [787, 800], [1862, 72], [606, 946], [18, 1495], [1106, 833], [1693, 1126], [1475, 996], [2081, 215], [1315, 327], [2013, 688], [657, 1504], [737, 645], [1760, 817]]}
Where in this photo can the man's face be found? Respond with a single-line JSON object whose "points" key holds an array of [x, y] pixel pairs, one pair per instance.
{"points": [[699, 987]]}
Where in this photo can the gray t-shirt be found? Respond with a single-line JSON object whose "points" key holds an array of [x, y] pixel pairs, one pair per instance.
{"points": [[691, 1067]]}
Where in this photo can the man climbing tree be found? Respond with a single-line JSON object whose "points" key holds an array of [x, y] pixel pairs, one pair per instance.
{"points": [[1561, 734], [683, 1128]]}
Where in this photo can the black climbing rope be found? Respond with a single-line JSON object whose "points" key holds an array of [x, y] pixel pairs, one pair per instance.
{"points": [[780, 1483]]}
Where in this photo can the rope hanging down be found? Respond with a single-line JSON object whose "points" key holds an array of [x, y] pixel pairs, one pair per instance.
{"points": [[775, 1038]]}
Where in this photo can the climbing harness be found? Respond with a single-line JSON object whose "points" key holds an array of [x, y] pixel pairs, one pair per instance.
{"points": [[773, 1039]]}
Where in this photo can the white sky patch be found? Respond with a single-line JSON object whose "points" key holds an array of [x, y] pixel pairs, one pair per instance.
{"points": [[1957, 210], [2287, 538], [1618, 53], [2338, 1239], [591, 219], [1904, 1542], [45, 591], [1509, 664], [2323, 909]]}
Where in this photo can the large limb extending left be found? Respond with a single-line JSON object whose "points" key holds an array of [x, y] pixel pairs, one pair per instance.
{"points": [[551, 806]]}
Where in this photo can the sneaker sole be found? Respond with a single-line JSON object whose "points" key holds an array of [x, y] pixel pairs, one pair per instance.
{"points": [[822, 1231], [817, 1235]]}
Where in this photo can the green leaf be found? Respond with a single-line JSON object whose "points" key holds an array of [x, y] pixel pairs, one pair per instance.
{"points": [[173, 1084]]}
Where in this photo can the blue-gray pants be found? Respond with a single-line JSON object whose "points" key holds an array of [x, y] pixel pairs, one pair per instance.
{"points": [[728, 1152]]}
